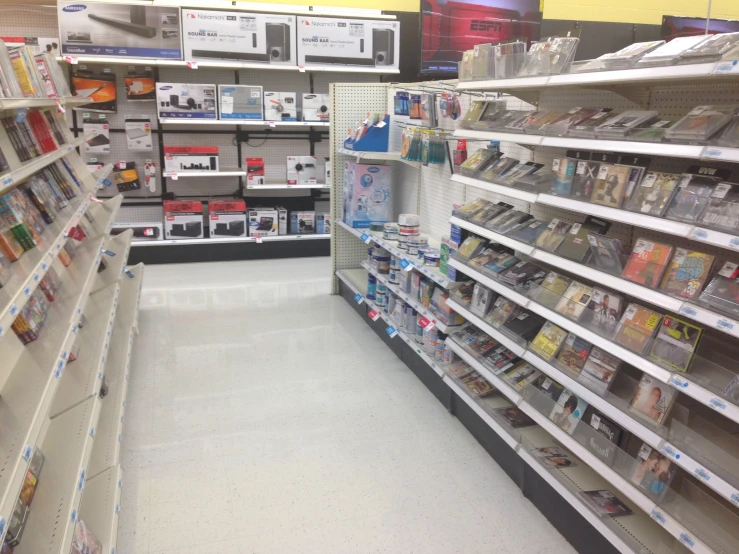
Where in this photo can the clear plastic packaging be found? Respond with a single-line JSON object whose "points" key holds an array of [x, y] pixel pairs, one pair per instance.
{"points": [[711, 49], [730, 135], [628, 56], [651, 132], [669, 53], [623, 123], [691, 198], [473, 114], [465, 66], [722, 211], [509, 57], [701, 123], [722, 292], [653, 195], [481, 56]]}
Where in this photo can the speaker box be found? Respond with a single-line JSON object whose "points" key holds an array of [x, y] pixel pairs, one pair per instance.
{"points": [[278, 42], [383, 46]]}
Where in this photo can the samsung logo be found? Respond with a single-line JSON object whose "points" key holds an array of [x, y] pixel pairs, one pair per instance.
{"points": [[165, 88], [74, 8], [373, 169]]}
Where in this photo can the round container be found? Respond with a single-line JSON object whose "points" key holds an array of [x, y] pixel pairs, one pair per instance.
{"points": [[371, 286], [370, 255], [380, 251], [402, 242], [391, 227], [416, 243], [380, 299], [430, 340], [383, 264], [431, 257], [393, 276], [439, 352], [409, 220], [377, 227]]}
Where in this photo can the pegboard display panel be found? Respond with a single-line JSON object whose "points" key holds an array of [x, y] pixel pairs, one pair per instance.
{"points": [[350, 103], [275, 81], [19, 20], [323, 80], [140, 214], [675, 101]]}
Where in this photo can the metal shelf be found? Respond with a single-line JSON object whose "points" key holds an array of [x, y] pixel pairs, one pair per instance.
{"points": [[16, 103], [185, 121], [66, 447], [27, 272], [268, 186], [497, 189], [116, 252], [10, 179], [378, 156], [230, 239], [133, 278], [101, 506]]}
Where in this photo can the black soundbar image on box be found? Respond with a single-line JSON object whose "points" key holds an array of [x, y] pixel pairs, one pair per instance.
{"points": [[191, 229], [334, 60], [223, 55], [136, 26]]}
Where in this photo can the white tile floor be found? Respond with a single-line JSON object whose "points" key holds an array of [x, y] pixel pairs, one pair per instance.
{"points": [[264, 415]]}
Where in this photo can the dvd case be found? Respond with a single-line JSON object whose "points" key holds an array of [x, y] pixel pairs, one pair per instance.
{"points": [[687, 272], [701, 123], [654, 193], [574, 301], [600, 369], [574, 353], [722, 210], [675, 343], [653, 399], [669, 53], [603, 312], [575, 245], [583, 183], [637, 327], [551, 290], [549, 340], [722, 293], [610, 185], [648, 262], [553, 235]]}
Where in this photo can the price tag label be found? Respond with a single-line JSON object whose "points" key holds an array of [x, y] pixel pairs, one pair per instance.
{"points": [[658, 516], [688, 311], [301, 68], [374, 315], [20, 115], [678, 382], [713, 153], [71, 59], [109, 253], [726, 67], [687, 540], [671, 451], [717, 404], [8, 180], [192, 65], [107, 182], [391, 331], [426, 323], [365, 238], [130, 275], [173, 176], [121, 165], [358, 298], [405, 264], [60, 108], [258, 240], [271, 124]]}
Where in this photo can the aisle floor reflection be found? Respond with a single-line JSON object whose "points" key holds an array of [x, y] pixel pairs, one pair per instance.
{"points": [[264, 416]]}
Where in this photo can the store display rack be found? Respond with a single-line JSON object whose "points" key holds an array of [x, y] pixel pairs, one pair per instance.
{"points": [[376, 156], [183, 121], [275, 186], [200, 174]]}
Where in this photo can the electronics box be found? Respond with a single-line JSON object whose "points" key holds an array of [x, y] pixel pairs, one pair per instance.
{"points": [[138, 134], [100, 88], [327, 41], [323, 223], [125, 30], [186, 101], [227, 218], [302, 223], [280, 106], [366, 194], [315, 107], [240, 102], [327, 175], [254, 171], [282, 220], [239, 36], [301, 170], [263, 222], [190, 158], [100, 143], [183, 219], [142, 232], [140, 85]]}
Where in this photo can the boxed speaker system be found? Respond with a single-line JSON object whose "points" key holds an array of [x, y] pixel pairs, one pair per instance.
{"points": [[125, 30], [280, 106], [315, 107], [282, 217], [366, 194], [239, 36], [227, 218], [183, 219], [190, 158], [141, 231], [263, 222], [240, 102], [254, 171], [301, 170], [302, 223], [329, 41], [186, 101]]}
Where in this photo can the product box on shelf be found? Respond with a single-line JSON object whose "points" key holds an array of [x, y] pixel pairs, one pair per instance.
{"points": [[186, 101], [323, 223], [183, 219], [327, 172], [239, 36], [100, 143], [254, 171], [301, 170], [315, 107], [282, 220], [240, 102], [263, 222], [100, 88], [366, 194], [141, 231], [280, 106], [227, 218], [328, 41], [302, 223], [138, 133], [124, 30], [191, 158]]}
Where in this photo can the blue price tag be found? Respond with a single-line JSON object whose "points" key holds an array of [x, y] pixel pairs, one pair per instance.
{"points": [[107, 182], [404, 264], [358, 298], [109, 253], [366, 238], [20, 115], [129, 274], [391, 331]]}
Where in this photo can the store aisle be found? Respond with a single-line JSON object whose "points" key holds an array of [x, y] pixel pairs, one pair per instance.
{"points": [[264, 415]]}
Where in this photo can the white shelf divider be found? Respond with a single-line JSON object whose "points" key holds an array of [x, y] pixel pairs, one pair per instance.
{"points": [[286, 186], [497, 189], [101, 506], [230, 239]]}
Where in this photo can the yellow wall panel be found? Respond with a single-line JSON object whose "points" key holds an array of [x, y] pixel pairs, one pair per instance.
{"points": [[637, 11]]}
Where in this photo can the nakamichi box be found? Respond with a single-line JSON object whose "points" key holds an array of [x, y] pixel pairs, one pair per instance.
{"points": [[186, 101], [125, 30], [327, 41], [227, 218], [183, 219], [239, 36], [240, 102], [190, 158]]}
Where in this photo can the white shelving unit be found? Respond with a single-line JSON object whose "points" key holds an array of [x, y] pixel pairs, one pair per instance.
{"points": [[286, 186], [702, 514], [185, 121], [225, 240], [101, 506], [376, 156], [205, 174]]}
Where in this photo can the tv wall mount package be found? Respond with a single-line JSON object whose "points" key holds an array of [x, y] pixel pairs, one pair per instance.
{"points": [[329, 41], [126, 30], [239, 36], [187, 101]]}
